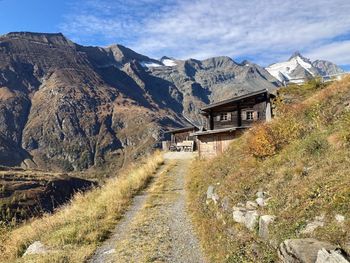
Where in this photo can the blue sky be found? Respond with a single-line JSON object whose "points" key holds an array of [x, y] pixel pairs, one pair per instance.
{"points": [[260, 31]]}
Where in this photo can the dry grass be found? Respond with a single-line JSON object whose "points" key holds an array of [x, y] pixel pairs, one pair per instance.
{"points": [[306, 175], [74, 232]]}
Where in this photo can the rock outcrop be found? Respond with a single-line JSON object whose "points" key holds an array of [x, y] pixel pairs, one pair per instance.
{"points": [[302, 250]]}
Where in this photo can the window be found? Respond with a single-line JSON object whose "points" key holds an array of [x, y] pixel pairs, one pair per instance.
{"points": [[250, 115], [223, 117]]}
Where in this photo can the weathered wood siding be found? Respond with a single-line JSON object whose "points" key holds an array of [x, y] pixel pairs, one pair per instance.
{"points": [[211, 145], [259, 110]]}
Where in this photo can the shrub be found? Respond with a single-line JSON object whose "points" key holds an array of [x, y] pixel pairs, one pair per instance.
{"points": [[261, 143]]}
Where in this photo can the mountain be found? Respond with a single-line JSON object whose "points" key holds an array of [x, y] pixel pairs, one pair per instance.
{"points": [[64, 106], [211, 80], [299, 68]]}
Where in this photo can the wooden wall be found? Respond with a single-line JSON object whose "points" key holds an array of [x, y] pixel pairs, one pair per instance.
{"points": [[211, 145], [232, 121]]}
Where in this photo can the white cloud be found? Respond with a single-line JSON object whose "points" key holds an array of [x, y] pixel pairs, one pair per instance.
{"points": [[265, 30], [338, 52]]}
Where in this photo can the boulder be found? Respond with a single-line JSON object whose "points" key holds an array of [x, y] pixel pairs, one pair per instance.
{"points": [[251, 219], [301, 250], [225, 203], [261, 201], [264, 222], [251, 205], [333, 256], [311, 227], [238, 216], [210, 192], [247, 217], [261, 194], [36, 248]]}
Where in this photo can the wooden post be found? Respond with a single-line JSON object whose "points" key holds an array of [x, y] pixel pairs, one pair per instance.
{"points": [[239, 116], [211, 121]]}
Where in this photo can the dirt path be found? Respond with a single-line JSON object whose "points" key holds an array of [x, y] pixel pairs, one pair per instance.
{"points": [[156, 228]]}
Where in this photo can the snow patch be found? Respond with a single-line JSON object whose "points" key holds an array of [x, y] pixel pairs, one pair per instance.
{"points": [[169, 62], [148, 64]]}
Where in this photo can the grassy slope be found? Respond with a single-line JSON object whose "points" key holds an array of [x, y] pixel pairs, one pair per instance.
{"points": [[301, 159], [74, 232]]}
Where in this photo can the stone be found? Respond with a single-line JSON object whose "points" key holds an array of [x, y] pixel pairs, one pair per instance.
{"points": [[301, 250], [251, 219], [339, 218], [36, 248], [264, 222], [238, 216], [311, 227], [251, 205], [260, 201], [210, 192], [215, 198], [323, 256], [225, 203], [261, 194]]}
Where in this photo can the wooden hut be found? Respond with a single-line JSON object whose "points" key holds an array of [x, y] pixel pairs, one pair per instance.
{"points": [[226, 120]]}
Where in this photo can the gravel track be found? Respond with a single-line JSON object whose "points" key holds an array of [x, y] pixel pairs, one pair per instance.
{"points": [[156, 228]]}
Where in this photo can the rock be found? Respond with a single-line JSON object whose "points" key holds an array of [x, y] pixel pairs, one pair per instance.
{"points": [[225, 203], [36, 248], [215, 198], [247, 217], [339, 218], [323, 256], [310, 227], [238, 216], [264, 222], [261, 201], [251, 219], [301, 250], [210, 192], [251, 205], [261, 194]]}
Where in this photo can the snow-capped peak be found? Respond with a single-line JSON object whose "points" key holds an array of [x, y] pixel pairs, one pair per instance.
{"points": [[284, 70]]}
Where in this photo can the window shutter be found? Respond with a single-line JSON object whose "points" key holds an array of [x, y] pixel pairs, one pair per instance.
{"points": [[255, 115], [218, 117], [244, 115], [229, 116]]}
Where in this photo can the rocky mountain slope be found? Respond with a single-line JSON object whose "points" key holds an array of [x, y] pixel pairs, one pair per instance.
{"points": [[298, 69], [69, 107]]}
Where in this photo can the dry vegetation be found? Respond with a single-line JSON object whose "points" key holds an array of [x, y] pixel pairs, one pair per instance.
{"points": [[301, 159], [74, 231]]}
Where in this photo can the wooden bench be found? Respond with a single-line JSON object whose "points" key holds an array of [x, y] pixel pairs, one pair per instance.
{"points": [[186, 146]]}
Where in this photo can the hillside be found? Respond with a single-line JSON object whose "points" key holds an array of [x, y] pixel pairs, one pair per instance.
{"points": [[64, 106], [28, 193], [282, 180], [75, 230]]}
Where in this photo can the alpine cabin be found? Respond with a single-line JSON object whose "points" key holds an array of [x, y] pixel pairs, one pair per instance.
{"points": [[226, 120]]}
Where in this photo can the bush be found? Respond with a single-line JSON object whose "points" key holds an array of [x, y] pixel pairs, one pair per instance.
{"points": [[267, 139], [261, 143]]}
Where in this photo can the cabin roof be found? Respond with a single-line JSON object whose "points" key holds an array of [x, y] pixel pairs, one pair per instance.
{"points": [[183, 129], [234, 99]]}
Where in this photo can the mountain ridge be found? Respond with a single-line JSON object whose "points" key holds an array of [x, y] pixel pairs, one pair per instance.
{"points": [[298, 68], [102, 103]]}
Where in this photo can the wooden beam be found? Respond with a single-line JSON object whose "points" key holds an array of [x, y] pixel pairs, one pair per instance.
{"points": [[239, 115]]}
